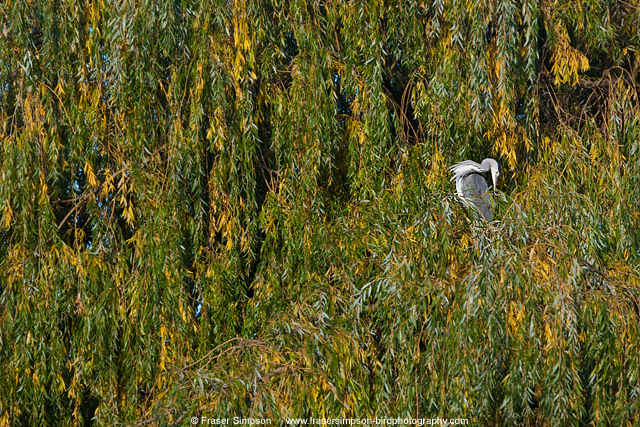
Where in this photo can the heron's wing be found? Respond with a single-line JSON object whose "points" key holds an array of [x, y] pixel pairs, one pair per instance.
{"points": [[473, 187], [483, 205], [466, 167]]}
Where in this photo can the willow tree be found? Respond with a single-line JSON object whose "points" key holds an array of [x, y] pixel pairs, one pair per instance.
{"points": [[242, 208]]}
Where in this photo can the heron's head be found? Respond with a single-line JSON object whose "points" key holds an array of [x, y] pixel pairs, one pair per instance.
{"points": [[495, 169]]}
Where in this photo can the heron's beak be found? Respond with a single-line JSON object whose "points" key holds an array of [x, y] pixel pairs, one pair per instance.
{"points": [[494, 176]]}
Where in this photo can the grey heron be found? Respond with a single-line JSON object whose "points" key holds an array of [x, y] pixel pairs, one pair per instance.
{"points": [[472, 187]]}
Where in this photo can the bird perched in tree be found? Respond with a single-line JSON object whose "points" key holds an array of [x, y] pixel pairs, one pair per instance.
{"points": [[472, 187]]}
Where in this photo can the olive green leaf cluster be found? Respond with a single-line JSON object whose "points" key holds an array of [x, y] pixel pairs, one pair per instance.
{"points": [[242, 208]]}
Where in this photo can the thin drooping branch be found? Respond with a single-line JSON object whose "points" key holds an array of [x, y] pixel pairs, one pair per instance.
{"points": [[82, 199]]}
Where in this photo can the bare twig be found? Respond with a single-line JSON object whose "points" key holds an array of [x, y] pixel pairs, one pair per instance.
{"points": [[245, 343], [85, 197], [266, 377]]}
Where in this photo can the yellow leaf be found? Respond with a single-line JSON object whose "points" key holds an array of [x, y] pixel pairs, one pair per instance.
{"points": [[91, 176], [8, 215]]}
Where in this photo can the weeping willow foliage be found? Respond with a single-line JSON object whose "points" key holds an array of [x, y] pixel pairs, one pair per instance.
{"points": [[242, 208]]}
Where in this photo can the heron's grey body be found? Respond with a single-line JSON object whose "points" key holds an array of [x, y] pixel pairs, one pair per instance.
{"points": [[472, 187]]}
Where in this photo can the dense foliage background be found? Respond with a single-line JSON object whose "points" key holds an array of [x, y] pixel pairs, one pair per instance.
{"points": [[242, 208]]}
